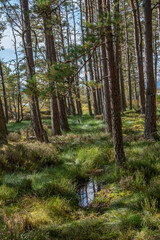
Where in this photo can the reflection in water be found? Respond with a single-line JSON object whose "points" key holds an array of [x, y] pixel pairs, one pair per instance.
{"points": [[88, 191]]}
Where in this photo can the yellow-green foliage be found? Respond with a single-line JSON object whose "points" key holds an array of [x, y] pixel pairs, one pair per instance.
{"points": [[30, 156], [14, 137], [135, 182], [48, 130], [7, 193], [91, 158], [111, 194]]}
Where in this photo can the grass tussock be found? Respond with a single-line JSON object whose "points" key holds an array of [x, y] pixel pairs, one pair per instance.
{"points": [[28, 157]]}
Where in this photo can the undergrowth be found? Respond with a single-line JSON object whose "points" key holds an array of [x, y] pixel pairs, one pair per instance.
{"points": [[38, 183]]}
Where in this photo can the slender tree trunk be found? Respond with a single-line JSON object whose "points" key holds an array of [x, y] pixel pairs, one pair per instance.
{"points": [[94, 99], [139, 59], [123, 98], [93, 88], [85, 67], [97, 81], [118, 56], [135, 87], [21, 107], [3, 128], [150, 116], [19, 100], [27, 42], [127, 59], [51, 58], [99, 69], [71, 101], [115, 96], [155, 63], [63, 116], [77, 88], [116, 35], [159, 18], [105, 81], [70, 83], [4, 93]]}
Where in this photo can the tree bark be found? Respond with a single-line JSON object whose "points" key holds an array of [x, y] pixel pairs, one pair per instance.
{"points": [[139, 59], [3, 128], [19, 97], [51, 59], [150, 115], [118, 56], [34, 105], [62, 112], [94, 99], [105, 81], [115, 95], [77, 88], [4, 94], [71, 104], [123, 98], [127, 59]]}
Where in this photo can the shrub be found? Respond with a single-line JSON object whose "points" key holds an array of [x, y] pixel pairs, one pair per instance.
{"points": [[62, 187], [150, 205], [26, 117], [31, 156], [131, 221], [154, 190], [25, 186], [19, 182], [135, 182], [145, 165], [89, 159], [79, 230], [48, 129], [14, 137], [7, 193], [26, 133]]}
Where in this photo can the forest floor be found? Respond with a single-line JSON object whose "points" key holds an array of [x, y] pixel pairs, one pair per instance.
{"points": [[39, 182]]}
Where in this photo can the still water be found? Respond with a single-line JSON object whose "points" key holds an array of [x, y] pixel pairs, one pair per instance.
{"points": [[88, 191]]}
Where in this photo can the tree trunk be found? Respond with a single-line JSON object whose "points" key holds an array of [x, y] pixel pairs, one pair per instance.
{"points": [[27, 42], [123, 98], [127, 59], [118, 56], [139, 59], [115, 96], [3, 128], [71, 105], [19, 100], [77, 88], [106, 93], [155, 62], [62, 112], [85, 67], [4, 94], [94, 99], [88, 92], [51, 58], [150, 115], [97, 82]]}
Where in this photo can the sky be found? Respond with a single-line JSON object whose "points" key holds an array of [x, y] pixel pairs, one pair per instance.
{"points": [[7, 42]]}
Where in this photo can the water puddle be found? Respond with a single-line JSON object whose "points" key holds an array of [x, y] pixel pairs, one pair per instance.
{"points": [[88, 191]]}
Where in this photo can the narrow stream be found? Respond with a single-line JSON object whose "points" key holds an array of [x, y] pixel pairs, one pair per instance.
{"points": [[88, 191]]}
